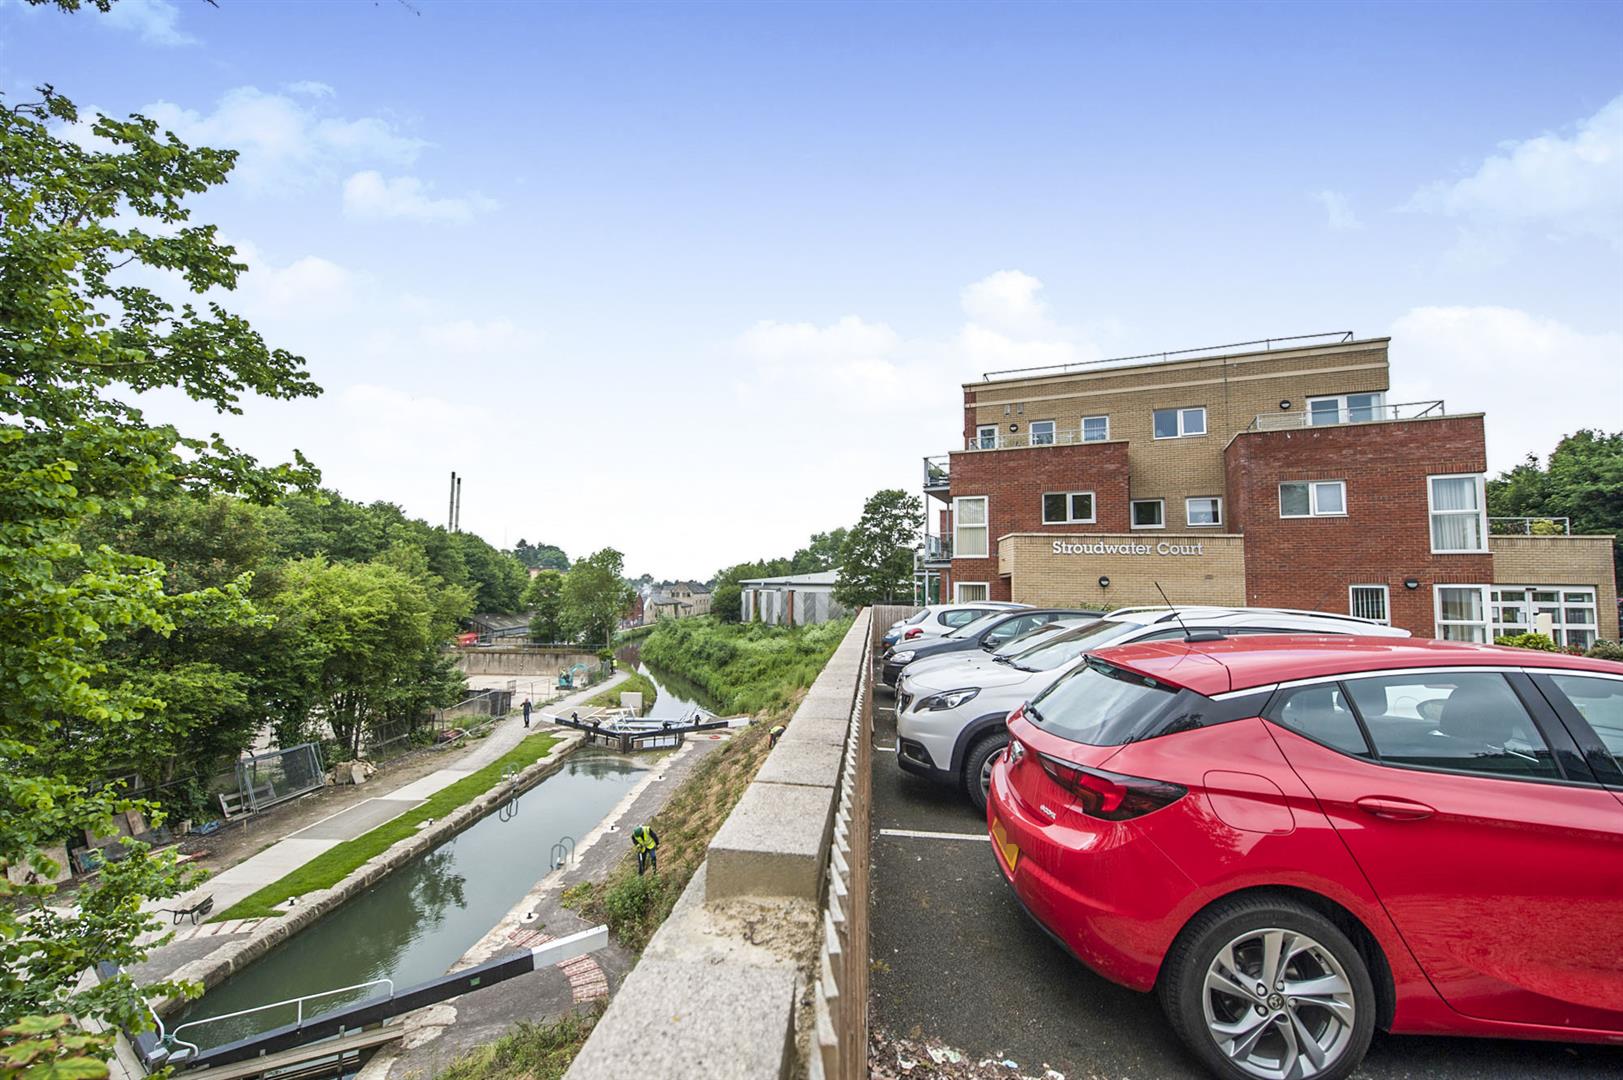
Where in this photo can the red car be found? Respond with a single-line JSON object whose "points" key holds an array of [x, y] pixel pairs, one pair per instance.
{"points": [[1295, 840]]}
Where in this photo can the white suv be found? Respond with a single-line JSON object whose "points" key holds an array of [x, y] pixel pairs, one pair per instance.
{"points": [[950, 716]]}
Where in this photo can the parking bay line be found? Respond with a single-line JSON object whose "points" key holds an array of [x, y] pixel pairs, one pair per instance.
{"points": [[921, 835]]}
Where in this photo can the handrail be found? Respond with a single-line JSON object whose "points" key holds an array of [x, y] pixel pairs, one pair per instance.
{"points": [[1341, 336], [1365, 414], [1527, 524], [173, 1038]]}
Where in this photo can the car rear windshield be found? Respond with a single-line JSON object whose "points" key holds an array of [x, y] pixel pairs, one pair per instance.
{"points": [[1059, 651], [1102, 705]]}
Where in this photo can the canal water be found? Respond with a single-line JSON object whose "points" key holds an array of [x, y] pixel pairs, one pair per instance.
{"points": [[676, 697], [417, 922]]}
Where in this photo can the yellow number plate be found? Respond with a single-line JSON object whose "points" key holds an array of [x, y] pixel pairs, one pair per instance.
{"points": [[1011, 852]]}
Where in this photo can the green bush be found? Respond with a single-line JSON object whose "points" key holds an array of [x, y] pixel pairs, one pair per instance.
{"points": [[744, 667], [528, 1051], [1541, 642], [1606, 650]]}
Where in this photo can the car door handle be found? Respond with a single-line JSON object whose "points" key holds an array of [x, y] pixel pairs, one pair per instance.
{"points": [[1384, 806]]}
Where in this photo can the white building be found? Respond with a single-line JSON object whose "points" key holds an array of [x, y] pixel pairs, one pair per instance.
{"points": [[790, 601]]}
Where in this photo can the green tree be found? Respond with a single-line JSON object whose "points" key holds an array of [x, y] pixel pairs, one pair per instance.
{"points": [[544, 556], [595, 598], [544, 597], [1583, 481], [876, 562], [821, 553], [77, 329]]}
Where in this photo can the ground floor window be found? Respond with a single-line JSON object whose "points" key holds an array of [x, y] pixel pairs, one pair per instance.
{"points": [[969, 592], [1462, 612], [1370, 602], [1572, 612]]}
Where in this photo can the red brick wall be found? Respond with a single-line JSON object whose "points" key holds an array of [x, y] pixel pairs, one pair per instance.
{"points": [[1385, 537], [1014, 482]]}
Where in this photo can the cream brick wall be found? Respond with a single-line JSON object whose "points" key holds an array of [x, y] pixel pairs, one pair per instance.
{"points": [[1041, 577], [1560, 560], [1233, 389]]}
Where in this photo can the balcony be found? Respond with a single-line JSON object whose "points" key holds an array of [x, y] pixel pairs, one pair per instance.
{"points": [[936, 475], [1369, 414], [1529, 526], [937, 551], [1011, 440]]}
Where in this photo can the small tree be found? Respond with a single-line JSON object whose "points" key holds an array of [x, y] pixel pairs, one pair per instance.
{"points": [[544, 598], [876, 561], [594, 598]]}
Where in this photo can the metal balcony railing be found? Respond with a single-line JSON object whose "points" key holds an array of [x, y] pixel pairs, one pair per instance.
{"points": [[1366, 414], [936, 549], [1530, 526], [936, 472], [1009, 440]]}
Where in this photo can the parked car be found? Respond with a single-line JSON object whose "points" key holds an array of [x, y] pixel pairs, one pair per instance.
{"points": [[938, 619], [1013, 647], [1295, 840], [986, 634], [950, 718]]}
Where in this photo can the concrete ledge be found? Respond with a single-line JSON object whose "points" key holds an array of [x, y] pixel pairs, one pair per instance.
{"points": [[807, 762], [774, 843]]}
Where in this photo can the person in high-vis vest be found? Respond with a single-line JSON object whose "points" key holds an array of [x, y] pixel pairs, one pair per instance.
{"points": [[646, 842]]}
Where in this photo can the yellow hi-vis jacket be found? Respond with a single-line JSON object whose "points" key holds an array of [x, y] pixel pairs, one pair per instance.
{"points": [[643, 838]]}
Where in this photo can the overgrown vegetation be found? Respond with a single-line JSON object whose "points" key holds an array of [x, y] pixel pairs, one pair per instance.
{"points": [[745, 668], [635, 682], [528, 1051], [335, 864]]}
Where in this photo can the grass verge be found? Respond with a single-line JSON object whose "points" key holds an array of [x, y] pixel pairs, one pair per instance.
{"points": [[336, 863], [635, 682], [528, 1051]]}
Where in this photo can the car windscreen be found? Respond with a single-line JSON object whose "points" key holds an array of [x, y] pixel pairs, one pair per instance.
{"points": [[969, 630], [1058, 651], [1102, 705], [1028, 639]]}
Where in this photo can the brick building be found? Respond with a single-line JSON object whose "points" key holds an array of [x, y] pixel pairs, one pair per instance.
{"points": [[1274, 474]]}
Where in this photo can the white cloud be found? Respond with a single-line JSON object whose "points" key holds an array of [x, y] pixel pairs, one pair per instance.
{"points": [[1483, 359], [1007, 299], [311, 88], [1338, 211], [386, 424], [154, 21], [284, 142], [371, 195], [1570, 184]]}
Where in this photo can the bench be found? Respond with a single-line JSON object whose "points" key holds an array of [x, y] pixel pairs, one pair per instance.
{"points": [[202, 907]]}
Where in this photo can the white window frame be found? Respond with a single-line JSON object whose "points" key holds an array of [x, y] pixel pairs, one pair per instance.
{"points": [[1560, 625], [1313, 498], [981, 431], [1131, 517], [1481, 512], [1343, 410], [1183, 430], [1217, 499], [958, 588], [1386, 602], [1082, 429], [1093, 508], [958, 526], [1053, 433], [1484, 591]]}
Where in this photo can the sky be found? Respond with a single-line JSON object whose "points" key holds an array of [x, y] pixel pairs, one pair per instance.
{"points": [[694, 280]]}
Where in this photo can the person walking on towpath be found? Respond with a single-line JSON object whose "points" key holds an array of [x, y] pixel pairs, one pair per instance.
{"points": [[646, 841], [526, 712]]}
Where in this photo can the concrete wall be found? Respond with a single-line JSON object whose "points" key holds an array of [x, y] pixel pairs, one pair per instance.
{"points": [[718, 992], [520, 660]]}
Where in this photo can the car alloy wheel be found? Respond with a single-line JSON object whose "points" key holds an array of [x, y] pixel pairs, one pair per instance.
{"points": [[978, 762], [1279, 1005]]}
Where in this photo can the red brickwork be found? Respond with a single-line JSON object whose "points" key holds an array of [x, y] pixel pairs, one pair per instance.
{"points": [[1386, 535]]}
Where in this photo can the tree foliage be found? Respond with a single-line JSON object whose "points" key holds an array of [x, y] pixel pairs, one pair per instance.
{"points": [[544, 598], [1583, 481], [594, 598], [876, 561], [543, 556]]}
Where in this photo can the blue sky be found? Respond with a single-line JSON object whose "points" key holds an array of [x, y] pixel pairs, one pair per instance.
{"points": [[694, 280]]}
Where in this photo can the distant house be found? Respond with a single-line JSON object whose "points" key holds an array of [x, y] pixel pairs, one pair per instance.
{"points": [[797, 600], [499, 627], [634, 616], [676, 600]]}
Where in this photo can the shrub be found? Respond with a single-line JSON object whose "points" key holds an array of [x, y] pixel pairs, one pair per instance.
{"points": [[1606, 650], [1541, 642]]}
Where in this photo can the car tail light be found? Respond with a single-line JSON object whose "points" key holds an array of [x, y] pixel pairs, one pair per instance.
{"points": [[1111, 796], [917, 631]]}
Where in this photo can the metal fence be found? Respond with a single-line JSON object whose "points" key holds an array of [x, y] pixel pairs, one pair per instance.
{"points": [[267, 779]]}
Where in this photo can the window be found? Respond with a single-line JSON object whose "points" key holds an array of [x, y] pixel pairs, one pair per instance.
{"points": [[1459, 721], [1458, 520], [1600, 702], [986, 437], [969, 592], [1321, 713], [966, 595], [1101, 705], [1346, 408], [969, 530], [1067, 507], [1370, 602], [1203, 511], [1319, 498], [1095, 428], [1462, 612], [1179, 423], [1042, 433], [1149, 513], [1014, 628], [1572, 611]]}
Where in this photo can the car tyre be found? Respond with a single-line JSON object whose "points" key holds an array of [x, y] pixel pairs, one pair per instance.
{"points": [[978, 766], [1217, 992]]}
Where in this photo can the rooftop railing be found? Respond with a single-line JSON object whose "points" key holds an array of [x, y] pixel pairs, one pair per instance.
{"points": [[1530, 526], [1295, 341], [1362, 414]]}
